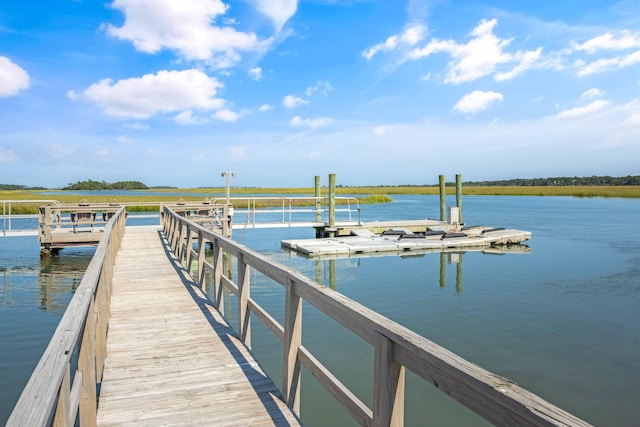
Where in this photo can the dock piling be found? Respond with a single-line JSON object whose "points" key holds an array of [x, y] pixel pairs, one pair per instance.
{"points": [[459, 197], [318, 204], [443, 194], [332, 205]]}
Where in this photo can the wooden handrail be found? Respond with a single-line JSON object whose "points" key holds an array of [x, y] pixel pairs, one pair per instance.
{"points": [[65, 380], [396, 348]]}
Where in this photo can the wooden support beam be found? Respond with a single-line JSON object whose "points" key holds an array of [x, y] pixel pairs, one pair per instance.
{"points": [[292, 341], [388, 386]]}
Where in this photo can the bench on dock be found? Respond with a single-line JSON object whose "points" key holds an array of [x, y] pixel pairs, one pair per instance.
{"points": [[82, 217]]}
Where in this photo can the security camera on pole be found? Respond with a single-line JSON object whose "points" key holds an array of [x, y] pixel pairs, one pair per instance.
{"points": [[228, 209]]}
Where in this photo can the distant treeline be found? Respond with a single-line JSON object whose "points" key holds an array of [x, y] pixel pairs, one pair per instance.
{"points": [[102, 185], [560, 181], [530, 182], [18, 187], [519, 182]]}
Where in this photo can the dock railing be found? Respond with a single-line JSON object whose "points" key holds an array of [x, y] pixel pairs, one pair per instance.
{"points": [[62, 388], [396, 348], [7, 214], [290, 211]]}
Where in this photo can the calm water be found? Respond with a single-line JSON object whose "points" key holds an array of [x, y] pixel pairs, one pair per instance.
{"points": [[561, 319]]}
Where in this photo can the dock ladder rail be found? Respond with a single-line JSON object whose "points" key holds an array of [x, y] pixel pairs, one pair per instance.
{"points": [[396, 348], [62, 388], [7, 214]]}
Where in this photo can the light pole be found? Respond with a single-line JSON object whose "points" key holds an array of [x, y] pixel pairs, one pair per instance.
{"points": [[228, 174], [227, 207]]}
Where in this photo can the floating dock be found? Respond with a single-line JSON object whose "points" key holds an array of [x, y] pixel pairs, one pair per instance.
{"points": [[437, 237]]}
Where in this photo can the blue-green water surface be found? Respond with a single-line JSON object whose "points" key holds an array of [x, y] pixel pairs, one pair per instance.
{"points": [[561, 317]]}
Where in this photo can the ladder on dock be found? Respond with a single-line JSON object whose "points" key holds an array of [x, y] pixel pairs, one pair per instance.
{"points": [[171, 357]]}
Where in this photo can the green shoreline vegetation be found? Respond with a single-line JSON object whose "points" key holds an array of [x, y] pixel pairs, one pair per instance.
{"points": [[627, 187]]}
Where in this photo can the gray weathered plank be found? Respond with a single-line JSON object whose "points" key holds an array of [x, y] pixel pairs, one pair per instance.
{"points": [[171, 358]]}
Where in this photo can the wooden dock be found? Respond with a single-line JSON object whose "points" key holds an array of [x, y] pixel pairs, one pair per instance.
{"points": [[141, 344], [171, 358]]}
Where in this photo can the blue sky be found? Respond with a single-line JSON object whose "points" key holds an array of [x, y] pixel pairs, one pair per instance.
{"points": [[377, 91]]}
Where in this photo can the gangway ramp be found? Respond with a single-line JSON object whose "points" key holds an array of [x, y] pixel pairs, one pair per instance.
{"points": [[171, 357]]}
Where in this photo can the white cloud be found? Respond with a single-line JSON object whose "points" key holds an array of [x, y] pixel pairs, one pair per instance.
{"points": [[607, 41], [13, 78], [279, 11], [477, 101], [582, 111], [608, 64], [256, 73], [480, 56], [7, 156], [137, 126], [164, 92], [292, 101], [411, 36], [321, 87], [527, 59], [592, 93], [311, 123], [186, 117], [226, 115], [265, 107], [185, 27]]}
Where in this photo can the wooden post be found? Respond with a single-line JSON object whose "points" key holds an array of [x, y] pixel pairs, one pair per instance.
{"points": [[102, 296], [442, 198], [87, 365], [217, 276], [201, 258], [388, 385], [62, 417], [317, 196], [244, 318], [187, 254], [459, 197], [292, 340], [318, 206], [178, 245], [332, 205]]}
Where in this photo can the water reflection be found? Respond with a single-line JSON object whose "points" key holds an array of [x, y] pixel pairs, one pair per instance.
{"points": [[59, 278], [327, 264]]}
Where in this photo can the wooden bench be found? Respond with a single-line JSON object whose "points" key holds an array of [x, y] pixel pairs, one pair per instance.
{"points": [[82, 217]]}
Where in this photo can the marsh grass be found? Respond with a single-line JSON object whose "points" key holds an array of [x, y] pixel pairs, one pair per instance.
{"points": [[373, 194], [188, 195]]}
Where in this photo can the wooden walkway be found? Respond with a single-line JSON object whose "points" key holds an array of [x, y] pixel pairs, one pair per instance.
{"points": [[171, 358]]}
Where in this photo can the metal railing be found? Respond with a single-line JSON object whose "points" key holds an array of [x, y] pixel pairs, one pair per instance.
{"points": [[290, 211], [7, 211]]}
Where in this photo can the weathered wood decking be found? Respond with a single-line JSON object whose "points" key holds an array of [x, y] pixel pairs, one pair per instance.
{"points": [[171, 358]]}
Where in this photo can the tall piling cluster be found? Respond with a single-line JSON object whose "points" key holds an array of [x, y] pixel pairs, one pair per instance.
{"points": [[455, 215]]}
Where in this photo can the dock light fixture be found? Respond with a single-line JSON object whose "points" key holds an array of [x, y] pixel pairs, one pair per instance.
{"points": [[228, 174]]}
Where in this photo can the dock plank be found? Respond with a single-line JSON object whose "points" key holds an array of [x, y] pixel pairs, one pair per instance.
{"points": [[171, 357]]}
